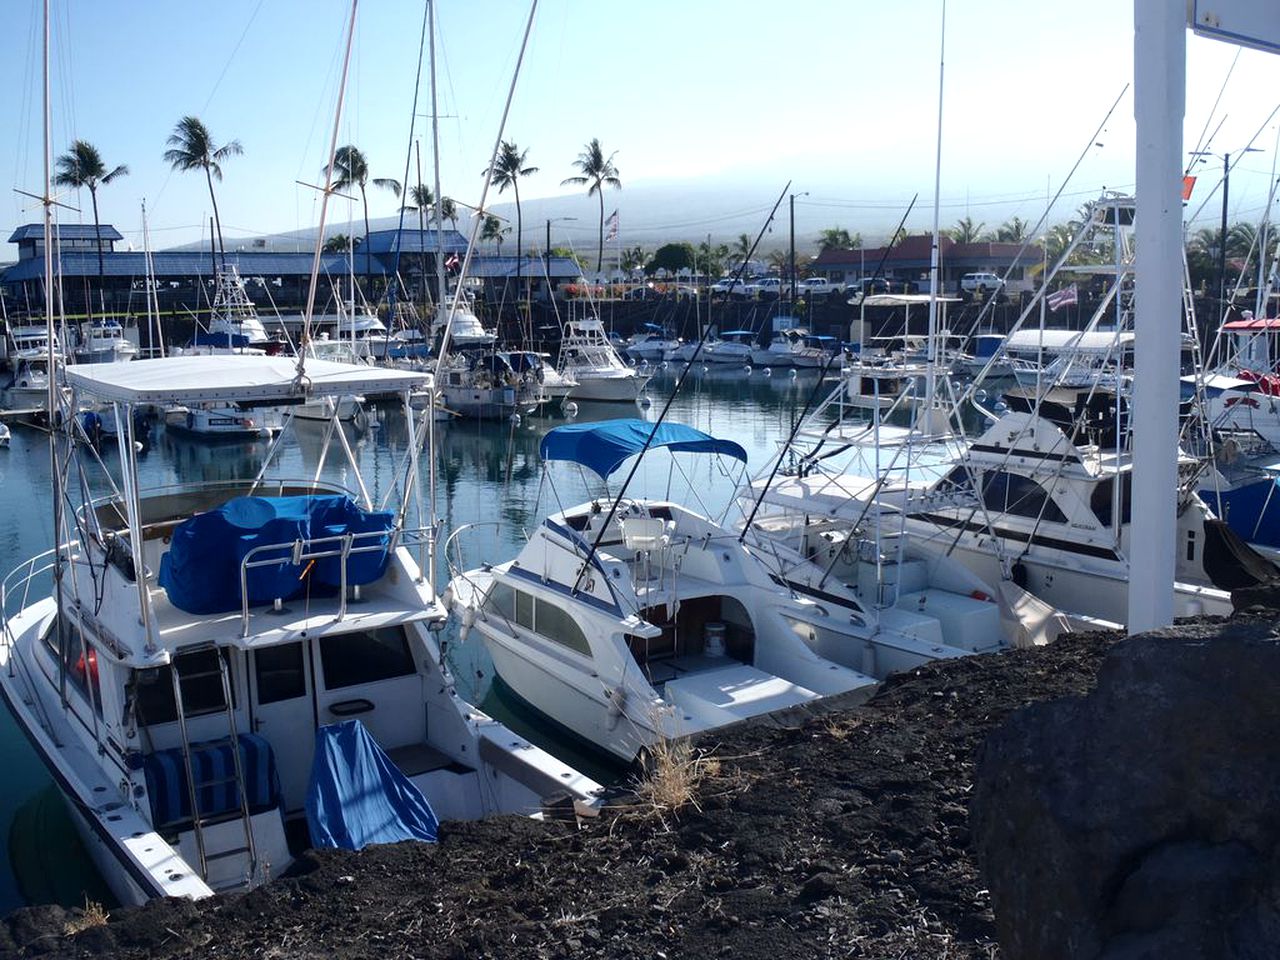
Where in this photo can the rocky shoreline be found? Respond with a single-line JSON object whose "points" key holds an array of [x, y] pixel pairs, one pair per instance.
{"points": [[844, 835]]}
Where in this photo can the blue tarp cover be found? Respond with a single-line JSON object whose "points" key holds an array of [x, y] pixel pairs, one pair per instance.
{"points": [[603, 447], [357, 796], [201, 570]]}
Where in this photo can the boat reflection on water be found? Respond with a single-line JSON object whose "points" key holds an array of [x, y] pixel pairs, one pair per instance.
{"points": [[197, 462], [46, 855]]}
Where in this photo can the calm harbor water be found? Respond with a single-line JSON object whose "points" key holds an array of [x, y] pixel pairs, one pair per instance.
{"points": [[487, 473]]}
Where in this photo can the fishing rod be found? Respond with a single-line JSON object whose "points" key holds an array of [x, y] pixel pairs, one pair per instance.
{"points": [[675, 391]]}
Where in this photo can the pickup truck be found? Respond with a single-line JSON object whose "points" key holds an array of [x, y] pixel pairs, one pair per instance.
{"points": [[765, 286], [820, 286]]}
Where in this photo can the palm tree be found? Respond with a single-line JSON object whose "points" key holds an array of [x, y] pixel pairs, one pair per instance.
{"points": [[838, 238], [596, 171], [965, 230], [192, 148], [633, 259], [508, 168], [1013, 231], [338, 243], [351, 168], [493, 230], [449, 211], [83, 167]]}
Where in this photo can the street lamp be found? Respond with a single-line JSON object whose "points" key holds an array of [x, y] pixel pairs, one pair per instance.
{"points": [[793, 243], [1222, 238]]}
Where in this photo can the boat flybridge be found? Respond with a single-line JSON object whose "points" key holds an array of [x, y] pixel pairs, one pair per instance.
{"points": [[203, 647], [630, 620]]}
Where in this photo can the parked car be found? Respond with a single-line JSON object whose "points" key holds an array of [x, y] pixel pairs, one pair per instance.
{"points": [[980, 283], [723, 285]]}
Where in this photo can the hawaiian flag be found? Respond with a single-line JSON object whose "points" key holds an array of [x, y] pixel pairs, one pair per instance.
{"points": [[1062, 298], [612, 224], [452, 263]]}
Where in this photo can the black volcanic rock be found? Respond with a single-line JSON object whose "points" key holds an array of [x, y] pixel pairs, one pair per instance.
{"points": [[1142, 820]]}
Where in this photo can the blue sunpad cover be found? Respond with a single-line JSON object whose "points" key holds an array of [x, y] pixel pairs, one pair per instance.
{"points": [[357, 796], [201, 570]]}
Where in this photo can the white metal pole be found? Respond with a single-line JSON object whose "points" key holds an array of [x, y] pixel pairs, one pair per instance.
{"points": [[932, 350], [1159, 101]]}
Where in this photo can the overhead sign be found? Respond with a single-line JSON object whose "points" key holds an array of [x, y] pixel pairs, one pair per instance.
{"points": [[1246, 23]]}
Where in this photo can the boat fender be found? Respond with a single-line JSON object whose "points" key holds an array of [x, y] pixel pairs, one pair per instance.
{"points": [[468, 621], [617, 699]]}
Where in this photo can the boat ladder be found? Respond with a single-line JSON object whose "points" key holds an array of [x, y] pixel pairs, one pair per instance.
{"points": [[194, 787]]}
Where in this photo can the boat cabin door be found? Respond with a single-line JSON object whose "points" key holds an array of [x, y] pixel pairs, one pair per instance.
{"points": [[284, 713]]}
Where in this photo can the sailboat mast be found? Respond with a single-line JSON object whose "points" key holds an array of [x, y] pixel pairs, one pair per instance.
{"points": [[931, 377], [437, 203], [55, 471]]}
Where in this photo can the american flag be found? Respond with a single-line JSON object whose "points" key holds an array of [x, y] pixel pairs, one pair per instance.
{"points": [[1062, 298], [612, 224], [452, 263]]}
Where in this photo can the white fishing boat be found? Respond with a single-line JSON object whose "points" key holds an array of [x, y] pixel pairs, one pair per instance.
{"points": [[215, 421], [30, 384], [632, 621], [234, 325], [652, 344], [348, 409], [732, 347], [182, 679], [588, 358], [104, 341]]}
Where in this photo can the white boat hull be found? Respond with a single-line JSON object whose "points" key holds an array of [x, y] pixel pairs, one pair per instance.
{"points": [[620, 389]]}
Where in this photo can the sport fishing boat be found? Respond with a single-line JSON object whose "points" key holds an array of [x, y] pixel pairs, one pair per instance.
{"points": [[629, 620], [104, 342], [588, 358], [193, 677]]}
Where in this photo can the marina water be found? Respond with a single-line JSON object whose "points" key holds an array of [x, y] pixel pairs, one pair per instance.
{"points": [[488, 474]]}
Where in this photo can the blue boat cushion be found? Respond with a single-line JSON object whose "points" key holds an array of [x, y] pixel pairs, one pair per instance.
{"points": [[213, 769], [201, 570]]}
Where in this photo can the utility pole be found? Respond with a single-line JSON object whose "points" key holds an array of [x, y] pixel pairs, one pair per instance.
{"points": [[793, 243]]}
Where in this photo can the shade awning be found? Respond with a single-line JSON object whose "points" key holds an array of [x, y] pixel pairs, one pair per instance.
{"points": [[602, 447], [235, 378]]}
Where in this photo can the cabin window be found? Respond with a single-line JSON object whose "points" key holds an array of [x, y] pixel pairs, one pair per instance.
{"points": [[80, 659], [350, 659], [958, 480], [558, 625], [514, 606], [1020, 496], [201, 688], [1102, 500], [279, 672]]}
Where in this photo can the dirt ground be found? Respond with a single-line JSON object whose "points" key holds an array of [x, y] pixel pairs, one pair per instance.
{"points": [[844, 837]]}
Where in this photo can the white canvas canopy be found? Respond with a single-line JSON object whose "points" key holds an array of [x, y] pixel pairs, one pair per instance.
{"points": [[234, 378], [1067, 341]]}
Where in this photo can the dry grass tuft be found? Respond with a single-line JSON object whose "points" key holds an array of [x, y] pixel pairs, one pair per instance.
{"points": [[674, 775], [93, 915]]}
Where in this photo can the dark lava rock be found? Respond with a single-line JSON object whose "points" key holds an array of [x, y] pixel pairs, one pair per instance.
{"points": [[1142, 820]]}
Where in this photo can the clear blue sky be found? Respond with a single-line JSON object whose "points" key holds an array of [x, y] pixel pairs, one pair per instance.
{"points": [[699, 99]]}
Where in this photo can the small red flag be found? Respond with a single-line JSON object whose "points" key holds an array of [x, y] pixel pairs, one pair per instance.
{"points": [[1188, 184]]}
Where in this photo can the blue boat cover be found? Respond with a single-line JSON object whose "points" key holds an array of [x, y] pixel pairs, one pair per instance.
{"points": [[603, 447], [213, 769], [357, 796], [201, 570]]}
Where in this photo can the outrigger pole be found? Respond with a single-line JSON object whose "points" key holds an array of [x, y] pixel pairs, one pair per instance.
{"points": [[675, 392]]}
